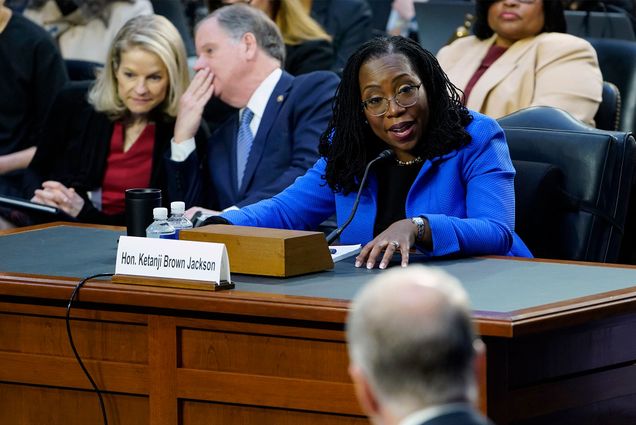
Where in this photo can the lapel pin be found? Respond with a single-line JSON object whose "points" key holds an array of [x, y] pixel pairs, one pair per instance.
{"points": [[280, 98]]}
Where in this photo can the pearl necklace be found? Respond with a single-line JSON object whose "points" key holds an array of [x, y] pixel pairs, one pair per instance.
{"points": [[415, 160]]}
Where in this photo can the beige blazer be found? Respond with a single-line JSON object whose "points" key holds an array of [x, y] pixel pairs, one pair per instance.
{"points": [[551, 69]]}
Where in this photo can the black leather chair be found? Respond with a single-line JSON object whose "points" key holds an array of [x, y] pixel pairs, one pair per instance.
{"points": [[572, 187], [608, 116], [617, 59], [79, 70]]}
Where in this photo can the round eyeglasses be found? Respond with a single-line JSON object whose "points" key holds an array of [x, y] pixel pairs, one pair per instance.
{"points": [[405, 97]]}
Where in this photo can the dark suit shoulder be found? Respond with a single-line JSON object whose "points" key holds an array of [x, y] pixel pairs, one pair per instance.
{"points": [[316, 78], [313, 88], [460, 417]]}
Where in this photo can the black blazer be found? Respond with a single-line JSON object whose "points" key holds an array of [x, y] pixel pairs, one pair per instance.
{"points": [[348, 22], [75, 146], [308, 56]]}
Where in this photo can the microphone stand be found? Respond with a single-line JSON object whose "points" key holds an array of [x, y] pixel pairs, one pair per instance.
{"points": [[388, 153]]}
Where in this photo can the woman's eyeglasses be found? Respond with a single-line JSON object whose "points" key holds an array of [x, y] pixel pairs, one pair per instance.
{"points": [[405, 97]]}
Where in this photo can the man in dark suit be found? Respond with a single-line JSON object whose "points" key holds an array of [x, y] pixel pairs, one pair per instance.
{"points": [[413, 351], [272, 138]]}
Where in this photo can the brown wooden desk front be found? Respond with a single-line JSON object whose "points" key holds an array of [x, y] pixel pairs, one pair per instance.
{"points": [[266, 354]]}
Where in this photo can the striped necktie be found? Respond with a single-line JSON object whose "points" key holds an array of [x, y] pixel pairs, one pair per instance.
{"points": [[243, 144]]}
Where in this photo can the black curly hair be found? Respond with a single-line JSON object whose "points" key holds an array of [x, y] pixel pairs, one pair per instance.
{"points": [[349, 144], [553, 15]]}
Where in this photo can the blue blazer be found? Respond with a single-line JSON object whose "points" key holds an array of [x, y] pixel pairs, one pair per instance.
{"points": [[284, 147], [467, 196]]}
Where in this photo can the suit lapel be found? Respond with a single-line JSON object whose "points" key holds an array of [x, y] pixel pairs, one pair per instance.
{"points": [[163, 134], [469, 62], [498, 71], [100, 130], [274, 105], [222, 159]]}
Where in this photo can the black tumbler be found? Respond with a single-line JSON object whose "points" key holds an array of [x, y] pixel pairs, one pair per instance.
{"points": [[139, 205]]}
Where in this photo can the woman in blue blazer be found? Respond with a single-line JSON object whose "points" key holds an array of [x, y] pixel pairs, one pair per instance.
{"points": [[447, 189]]}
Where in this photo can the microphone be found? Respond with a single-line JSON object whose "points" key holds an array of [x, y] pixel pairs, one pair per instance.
{"points": [[388, 153]]}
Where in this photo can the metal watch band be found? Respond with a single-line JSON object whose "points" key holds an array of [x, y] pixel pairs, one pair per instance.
{"points": [[419, 222]]}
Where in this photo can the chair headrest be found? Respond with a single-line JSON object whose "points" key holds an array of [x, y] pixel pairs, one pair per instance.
{"points": [[545, 117]]}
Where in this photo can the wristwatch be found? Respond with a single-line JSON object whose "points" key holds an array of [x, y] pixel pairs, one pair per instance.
{"points": [[421, 227]]}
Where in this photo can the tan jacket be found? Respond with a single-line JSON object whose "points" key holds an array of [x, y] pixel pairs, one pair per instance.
{"points": [[551, 69]]}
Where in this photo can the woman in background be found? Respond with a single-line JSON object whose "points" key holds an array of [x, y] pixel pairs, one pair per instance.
{"points": [[31, 73], [84, 29], [520, 56], [308, 47], [100, 143]]}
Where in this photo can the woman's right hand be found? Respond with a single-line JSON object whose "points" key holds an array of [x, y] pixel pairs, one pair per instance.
{"points": [[191, 105], [398, 237], [57, 195]]}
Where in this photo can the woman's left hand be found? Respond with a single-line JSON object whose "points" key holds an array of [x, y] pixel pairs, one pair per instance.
{"points": [[57, 195], [398, 236]]}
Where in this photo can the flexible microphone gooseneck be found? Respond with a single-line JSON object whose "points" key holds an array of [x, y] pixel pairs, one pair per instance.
{"points": [[388, 153]]}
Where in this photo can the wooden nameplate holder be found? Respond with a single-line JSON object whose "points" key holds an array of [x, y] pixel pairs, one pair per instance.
{"points": [[267, 252], [172, 264], [171, 283]]}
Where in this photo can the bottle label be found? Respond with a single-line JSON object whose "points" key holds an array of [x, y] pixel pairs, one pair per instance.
{"points": [[168, 236]]}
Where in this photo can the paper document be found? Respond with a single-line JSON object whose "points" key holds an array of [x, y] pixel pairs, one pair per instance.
{"points": [[340, 252]]}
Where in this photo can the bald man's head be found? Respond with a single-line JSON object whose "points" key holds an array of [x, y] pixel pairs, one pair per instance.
{"points": [[410, 332]]}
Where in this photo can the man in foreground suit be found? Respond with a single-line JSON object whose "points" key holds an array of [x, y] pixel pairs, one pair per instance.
{"points": [[413, 350], [272, 139]]}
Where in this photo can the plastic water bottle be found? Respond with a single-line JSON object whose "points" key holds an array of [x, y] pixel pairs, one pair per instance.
{"points": [[177, 219], [160, 228]]}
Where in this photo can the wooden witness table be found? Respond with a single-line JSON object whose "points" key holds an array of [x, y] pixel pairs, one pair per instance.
{"points": [[560, 337]]}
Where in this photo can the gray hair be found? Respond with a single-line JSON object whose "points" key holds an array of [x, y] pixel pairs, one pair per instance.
{"points": [[154, 34], [239, 19], [410, 331]]}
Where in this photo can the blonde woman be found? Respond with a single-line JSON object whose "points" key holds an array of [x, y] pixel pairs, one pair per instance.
{"points": [[308, 47], [99, 143]]}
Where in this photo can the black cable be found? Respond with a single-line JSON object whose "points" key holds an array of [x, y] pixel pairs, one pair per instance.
{"points": [[70, 340]]}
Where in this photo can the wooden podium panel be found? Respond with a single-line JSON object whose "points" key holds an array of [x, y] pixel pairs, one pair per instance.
{"points": [[25, 404], [167, 369], [213, 413]]}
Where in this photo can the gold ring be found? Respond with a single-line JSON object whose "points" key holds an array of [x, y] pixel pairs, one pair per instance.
{"points": [[395, 244]]}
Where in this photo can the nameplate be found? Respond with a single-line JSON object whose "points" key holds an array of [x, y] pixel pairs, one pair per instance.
{"points": [[199, 265]]}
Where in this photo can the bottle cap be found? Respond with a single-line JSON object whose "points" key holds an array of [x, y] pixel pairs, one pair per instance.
{"points": [[160, 213], [177, 207]]}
